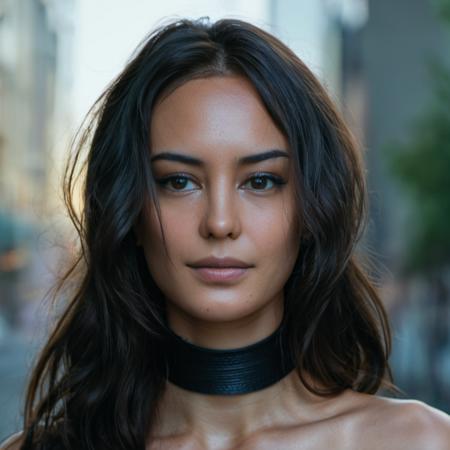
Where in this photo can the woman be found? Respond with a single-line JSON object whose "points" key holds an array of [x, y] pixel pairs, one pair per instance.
{"points": [[221, 304]]}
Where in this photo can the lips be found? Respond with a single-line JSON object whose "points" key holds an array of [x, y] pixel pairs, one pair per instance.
{"points": [[213, 262], [220, 274], [220, 270]]}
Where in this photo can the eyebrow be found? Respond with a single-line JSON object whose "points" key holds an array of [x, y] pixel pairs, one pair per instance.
{"points": [[249, 159]]}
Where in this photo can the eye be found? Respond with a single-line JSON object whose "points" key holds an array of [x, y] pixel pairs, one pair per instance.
{"points": [[177, 183], [258, 182], [265, 182]]}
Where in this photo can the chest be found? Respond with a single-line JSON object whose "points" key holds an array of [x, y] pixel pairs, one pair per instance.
{"points": [[295, 438], [360, 429]]}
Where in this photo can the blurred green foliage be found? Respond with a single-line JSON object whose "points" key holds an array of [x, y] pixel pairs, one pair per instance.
{"points": [[422, 165], [443, 8]]}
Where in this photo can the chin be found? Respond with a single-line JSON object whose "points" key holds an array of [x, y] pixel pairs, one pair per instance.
{"points": [[221, 308]]}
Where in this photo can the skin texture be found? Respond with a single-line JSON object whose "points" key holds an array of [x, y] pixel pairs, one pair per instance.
{"points": [[219, 211]]}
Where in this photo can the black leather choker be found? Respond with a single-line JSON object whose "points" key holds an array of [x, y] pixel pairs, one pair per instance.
{"points": [[229, 371]]}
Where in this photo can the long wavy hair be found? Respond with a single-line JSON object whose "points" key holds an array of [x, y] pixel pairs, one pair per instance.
{"points": [[99, 378]]}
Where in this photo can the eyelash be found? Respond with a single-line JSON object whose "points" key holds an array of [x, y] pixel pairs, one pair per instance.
{"points": [[277, 181]]}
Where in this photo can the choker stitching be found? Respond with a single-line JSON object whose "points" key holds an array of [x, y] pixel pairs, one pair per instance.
{"points": [[228, 371]]}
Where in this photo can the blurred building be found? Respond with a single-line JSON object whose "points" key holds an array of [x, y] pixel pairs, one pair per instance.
{"points": [[373, 56], [396, 47], [35, 83], [35, 86], [27, 71], [387, 83]]}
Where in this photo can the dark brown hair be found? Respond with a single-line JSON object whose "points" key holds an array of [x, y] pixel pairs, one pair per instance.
{"points": [[97, 382]]}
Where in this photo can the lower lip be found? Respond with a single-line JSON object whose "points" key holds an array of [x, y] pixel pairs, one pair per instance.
{"points": [[214, 274]]}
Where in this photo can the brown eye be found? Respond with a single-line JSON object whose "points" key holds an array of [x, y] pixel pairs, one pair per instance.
{"points": [[175, 183], [259, 182], [264, 182], [178, 182]]}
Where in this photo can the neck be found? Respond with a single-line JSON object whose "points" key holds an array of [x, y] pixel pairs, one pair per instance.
{"points": [[208, 417], [229, 371], [230, 334]]}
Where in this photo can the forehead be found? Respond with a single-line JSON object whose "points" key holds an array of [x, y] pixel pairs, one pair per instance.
{"points": [[215, 116]]}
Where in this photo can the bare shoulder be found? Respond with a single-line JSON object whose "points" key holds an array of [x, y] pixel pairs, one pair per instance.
{"points": [[405, 424], [13, 442]]}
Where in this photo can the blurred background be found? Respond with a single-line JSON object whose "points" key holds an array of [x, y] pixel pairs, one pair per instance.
{"points": [[386, 64]]}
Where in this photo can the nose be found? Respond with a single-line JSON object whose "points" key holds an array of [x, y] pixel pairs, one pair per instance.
{"points": [[221, 216]]}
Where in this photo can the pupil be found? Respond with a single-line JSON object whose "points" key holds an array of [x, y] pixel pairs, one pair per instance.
{"points": [[259, 182], [179, 182]]}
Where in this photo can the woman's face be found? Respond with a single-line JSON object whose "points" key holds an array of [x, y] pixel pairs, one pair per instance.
{"points": [[219, 206]]}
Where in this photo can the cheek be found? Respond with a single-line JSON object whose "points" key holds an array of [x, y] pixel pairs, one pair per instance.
{"points": [[275, 232], [178, 229]]}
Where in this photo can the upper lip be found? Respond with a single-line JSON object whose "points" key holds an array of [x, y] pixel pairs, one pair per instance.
{"points": [[212, 261]]}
